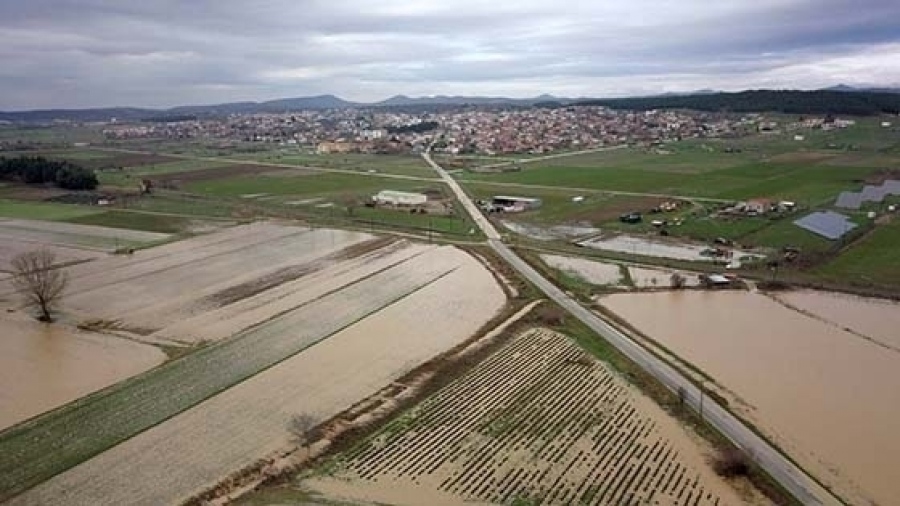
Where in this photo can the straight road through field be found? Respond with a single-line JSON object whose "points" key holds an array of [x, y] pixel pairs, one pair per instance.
{"points": [[785, 472]]}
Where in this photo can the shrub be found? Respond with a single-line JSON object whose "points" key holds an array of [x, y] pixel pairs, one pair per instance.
{"points": [[731, 462]]}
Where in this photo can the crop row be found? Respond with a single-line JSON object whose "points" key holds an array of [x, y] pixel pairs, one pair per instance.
{"points": [[540, 420]]}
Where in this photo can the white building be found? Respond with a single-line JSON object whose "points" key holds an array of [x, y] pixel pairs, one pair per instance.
{"points": [[397, 198]]}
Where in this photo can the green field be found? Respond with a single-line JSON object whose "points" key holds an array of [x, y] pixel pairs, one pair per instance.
{"points": [[323, 184], [131, 176], [803, 183], [407, 165], [873, 260], [166, 224], [43, 210], [49, 135], [776, 166]]}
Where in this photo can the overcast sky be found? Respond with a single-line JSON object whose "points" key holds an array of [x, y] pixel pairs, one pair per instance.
{"points": [[158, 53]]}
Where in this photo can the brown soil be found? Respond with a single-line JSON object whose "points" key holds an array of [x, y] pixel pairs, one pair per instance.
{"points": [[882, 176], [803, 156], [33, 192], [126, 160]]}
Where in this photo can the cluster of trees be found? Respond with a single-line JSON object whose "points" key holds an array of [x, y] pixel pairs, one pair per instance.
{"points": [[425, 126], [36, 170], [785, 101]]}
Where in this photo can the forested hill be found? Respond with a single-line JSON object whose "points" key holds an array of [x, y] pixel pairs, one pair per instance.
{"points": [[860, 103]]}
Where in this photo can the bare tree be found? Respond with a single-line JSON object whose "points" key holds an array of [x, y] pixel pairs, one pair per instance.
{"points": [[301, 428], [37, 278]]}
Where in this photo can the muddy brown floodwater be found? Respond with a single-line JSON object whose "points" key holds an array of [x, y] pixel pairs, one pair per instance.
{"points": [[826, 396], [44, 366], [876, 319]]}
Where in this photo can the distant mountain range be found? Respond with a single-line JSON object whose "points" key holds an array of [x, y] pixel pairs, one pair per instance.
{"points": [[321, 102], [863, 89]]}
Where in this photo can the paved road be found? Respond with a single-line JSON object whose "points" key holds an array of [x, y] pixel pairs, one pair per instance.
{"points": [[791, 477]]}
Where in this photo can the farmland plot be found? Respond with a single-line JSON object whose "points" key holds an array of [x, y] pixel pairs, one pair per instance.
{"points": [[596, 273], [70, 242], [540, 422], [86, 236], [380, 336], [149, 295]]}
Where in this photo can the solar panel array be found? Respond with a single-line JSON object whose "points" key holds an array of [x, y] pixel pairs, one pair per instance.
{"points": [[869, 193], [849, 200], [828, 224]]}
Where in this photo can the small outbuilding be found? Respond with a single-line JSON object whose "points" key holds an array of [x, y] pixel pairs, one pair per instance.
{"points": [[398, 198], [515, 204]]}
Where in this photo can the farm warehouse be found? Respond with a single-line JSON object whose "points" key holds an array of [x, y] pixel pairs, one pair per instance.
{"points": [[313, 332], [397, 198]]}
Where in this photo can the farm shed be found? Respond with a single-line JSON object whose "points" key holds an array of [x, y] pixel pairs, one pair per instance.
{"points": [[508, 203], [398, 198]]}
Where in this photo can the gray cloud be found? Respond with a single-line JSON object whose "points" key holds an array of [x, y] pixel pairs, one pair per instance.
{"points": [[65, 53]]}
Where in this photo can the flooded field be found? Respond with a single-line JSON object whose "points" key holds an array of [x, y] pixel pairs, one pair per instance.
{"points": [[655, 248], [153, 289], [537, 422], [10, 247], [643, 277], [70, 242], [556, 232], [74, 235], [825, 395], [315, 341], [876, 319], [610, 273], [44, 366], [597, 273]]}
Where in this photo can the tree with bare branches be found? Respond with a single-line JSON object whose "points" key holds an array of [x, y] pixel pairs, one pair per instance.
{"points": [[39, 280], [301, 428]]}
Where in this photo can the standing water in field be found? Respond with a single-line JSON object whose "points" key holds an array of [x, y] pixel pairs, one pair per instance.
{"points": [[826, 396], [44, 366]]}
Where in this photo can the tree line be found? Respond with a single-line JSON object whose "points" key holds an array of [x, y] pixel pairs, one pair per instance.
{"points": [[784, 101], [425, 126], [39, 170]]}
